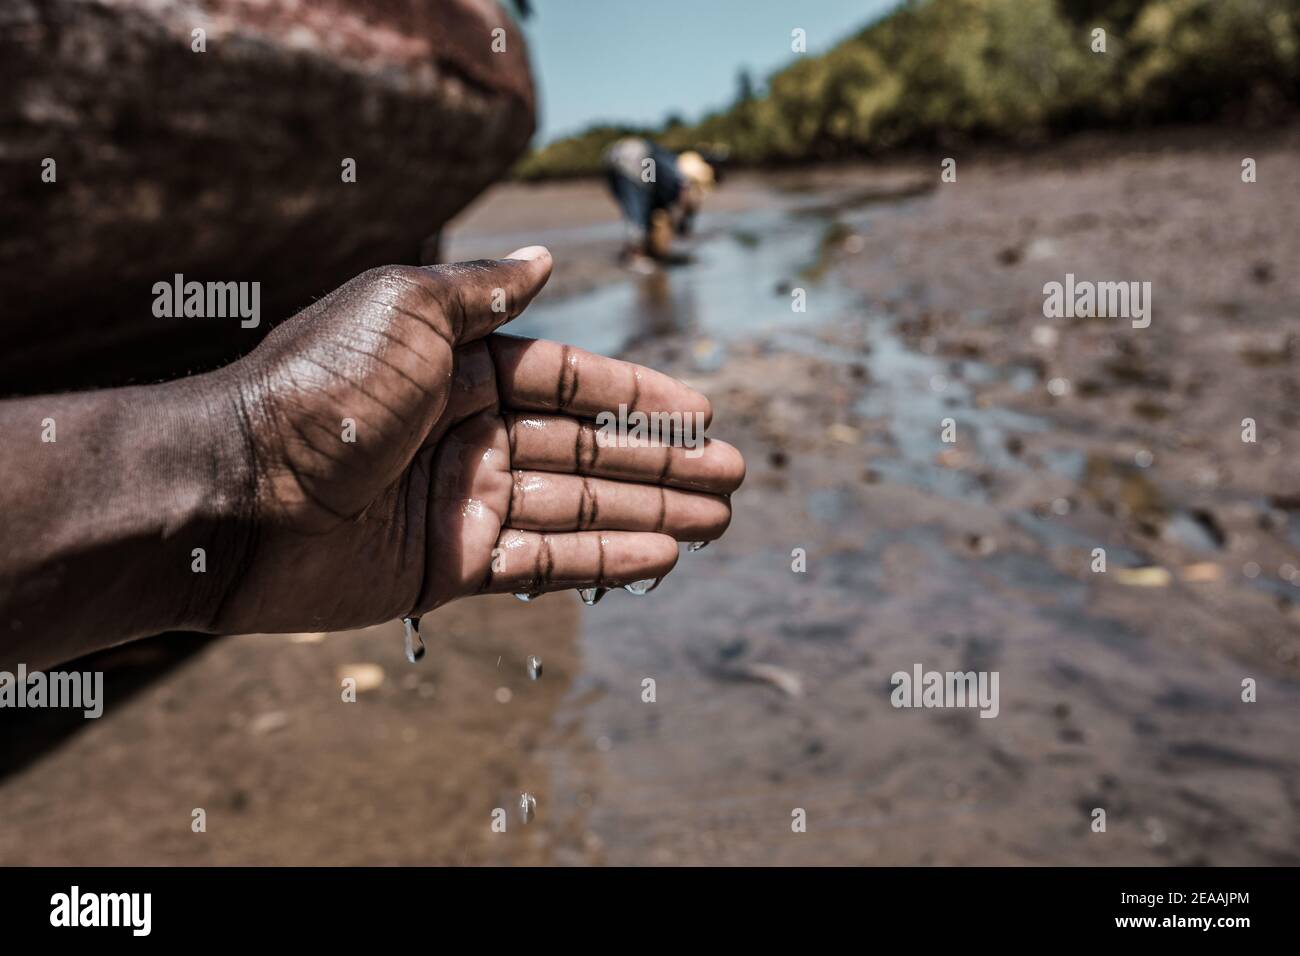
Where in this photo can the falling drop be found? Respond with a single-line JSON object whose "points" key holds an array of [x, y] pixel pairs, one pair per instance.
{"points": [[414, 643], [534, 667], [641, 587], [527, 807], [697, 546], [528, 595], [592, 596]]}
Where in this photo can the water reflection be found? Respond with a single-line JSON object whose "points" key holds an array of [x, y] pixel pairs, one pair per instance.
{"points": [[727, 288]]}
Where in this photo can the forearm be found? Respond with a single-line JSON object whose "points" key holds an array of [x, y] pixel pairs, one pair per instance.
{"points": [[102, 523]]}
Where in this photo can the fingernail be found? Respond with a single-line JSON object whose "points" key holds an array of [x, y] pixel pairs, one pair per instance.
{"points": [[528, 252]]}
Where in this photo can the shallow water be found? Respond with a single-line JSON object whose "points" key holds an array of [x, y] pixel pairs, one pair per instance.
{"points": [[690, 723], [771, 688], [731, 287]]}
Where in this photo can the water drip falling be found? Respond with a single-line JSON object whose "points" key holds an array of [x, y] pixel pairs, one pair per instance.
{"points": [[534, 667], [414, 642], [527, 807]]}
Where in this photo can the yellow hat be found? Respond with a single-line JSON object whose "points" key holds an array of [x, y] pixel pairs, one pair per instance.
{"points": [[693, 167]]}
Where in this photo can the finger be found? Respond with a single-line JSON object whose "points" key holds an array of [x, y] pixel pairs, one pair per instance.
{"points": [[480, 296], [530, 562], [544, 501], [550, 377], [541, 442]]}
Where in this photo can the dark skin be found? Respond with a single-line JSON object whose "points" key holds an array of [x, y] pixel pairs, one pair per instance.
{"points": [[474, 469]]}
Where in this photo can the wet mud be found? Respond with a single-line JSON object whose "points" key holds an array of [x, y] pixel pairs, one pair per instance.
{"points": [[1119, 690]]}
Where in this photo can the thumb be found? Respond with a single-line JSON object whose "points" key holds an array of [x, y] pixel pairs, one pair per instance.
{"points": [[485, 294]]}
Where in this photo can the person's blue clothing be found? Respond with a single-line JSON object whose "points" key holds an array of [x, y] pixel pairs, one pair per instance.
{"points": [[641, 187]]}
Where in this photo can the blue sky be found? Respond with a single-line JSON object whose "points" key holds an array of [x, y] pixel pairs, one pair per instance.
{"points": [[637, 61]]}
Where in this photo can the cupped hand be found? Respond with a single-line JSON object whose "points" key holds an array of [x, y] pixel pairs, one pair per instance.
{"points": [[402, 455]]}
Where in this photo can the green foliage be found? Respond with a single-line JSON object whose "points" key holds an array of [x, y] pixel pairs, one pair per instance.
{"points": [[983, 67], [1201, 58], [1111, 14], [1010, 70]]}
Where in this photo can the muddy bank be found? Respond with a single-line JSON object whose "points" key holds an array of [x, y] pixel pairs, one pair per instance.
{"points": [[1144, 427], [1119, 691], [254, 730]]}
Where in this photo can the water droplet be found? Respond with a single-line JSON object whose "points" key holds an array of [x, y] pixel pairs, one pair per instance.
{"points": [[592, 596], [414, 642], [528, 595], [527, 807], [641, 587], [697, 546], [534, 667]]}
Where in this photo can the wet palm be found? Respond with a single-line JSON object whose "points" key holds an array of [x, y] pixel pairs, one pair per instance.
{"points": [[403, 455]]}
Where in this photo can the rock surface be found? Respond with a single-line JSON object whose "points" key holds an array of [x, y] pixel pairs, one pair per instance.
{"points": [[226, 165]]}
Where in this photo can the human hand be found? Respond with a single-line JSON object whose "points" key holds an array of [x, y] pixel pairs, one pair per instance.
{"points": [[401, 455]]}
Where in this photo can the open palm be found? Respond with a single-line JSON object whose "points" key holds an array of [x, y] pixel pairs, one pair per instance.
{"points": [[402, 455]]}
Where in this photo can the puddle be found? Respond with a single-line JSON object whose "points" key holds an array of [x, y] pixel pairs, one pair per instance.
{"points": [[915, 393], [739, 282], [1195, 529]]}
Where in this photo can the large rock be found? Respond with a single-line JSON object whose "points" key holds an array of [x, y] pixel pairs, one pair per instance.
{"points": [[226, 165]]}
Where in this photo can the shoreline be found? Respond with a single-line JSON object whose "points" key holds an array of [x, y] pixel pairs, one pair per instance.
{"points": [[1119, 690]]}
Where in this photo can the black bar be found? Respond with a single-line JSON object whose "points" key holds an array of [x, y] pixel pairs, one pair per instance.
{"points": [[334, 906]]}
